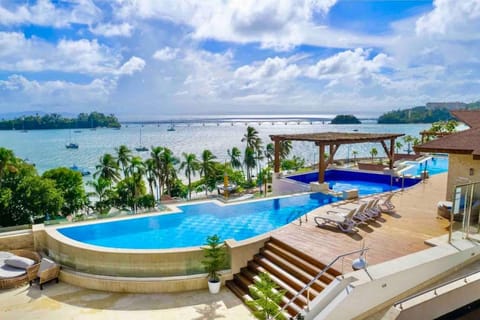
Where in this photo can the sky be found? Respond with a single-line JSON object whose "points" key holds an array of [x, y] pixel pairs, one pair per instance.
{"points": [[147, 59]]}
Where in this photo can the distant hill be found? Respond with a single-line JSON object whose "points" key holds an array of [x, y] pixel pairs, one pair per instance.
{"points": [[345, 119], [423, 114]]}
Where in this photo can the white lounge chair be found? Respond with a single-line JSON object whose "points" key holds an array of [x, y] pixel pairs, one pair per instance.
{"points": [[343, 222], [386, 205]]}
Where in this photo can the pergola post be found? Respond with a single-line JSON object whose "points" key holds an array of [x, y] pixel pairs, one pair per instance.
{"points": [[276, 161], [392, 153], [321, 163]]}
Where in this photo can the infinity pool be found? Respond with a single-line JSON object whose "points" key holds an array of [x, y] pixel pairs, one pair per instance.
{"points": [[197, 221], [433, 165]]}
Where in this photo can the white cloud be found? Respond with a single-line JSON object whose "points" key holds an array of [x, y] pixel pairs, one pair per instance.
{"points": [[113, 30], [166, 54], [133, 65], [83, 56], [451, 20], [46, 13], [272, 68]]}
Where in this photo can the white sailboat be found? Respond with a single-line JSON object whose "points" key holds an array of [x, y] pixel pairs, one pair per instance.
{"points": [[141, 147]]}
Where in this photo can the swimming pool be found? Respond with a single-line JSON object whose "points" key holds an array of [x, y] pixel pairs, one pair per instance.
{"points": [[434, 165], [366, 183], [197, 221]]}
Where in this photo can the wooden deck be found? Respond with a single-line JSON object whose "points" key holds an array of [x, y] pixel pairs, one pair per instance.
{"points": [[389, 237]]}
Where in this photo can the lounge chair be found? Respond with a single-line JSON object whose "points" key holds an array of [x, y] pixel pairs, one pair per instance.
{"points": [[386, 205], [359, 215], [343, 222]]}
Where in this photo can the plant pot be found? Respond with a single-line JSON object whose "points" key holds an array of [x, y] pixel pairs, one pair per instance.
{"points": [[214, 287]]}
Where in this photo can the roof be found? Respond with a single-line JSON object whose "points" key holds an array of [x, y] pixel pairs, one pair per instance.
{"points": [[463, 142], [470, 117], [336, 137]]}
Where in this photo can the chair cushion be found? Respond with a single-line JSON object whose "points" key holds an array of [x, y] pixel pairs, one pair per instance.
{"points": [[7, 272], [19, 262], [45, 264], [5, 255]]}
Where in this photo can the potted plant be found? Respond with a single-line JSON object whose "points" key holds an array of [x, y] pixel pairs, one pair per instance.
{"points": [[214, 259]]}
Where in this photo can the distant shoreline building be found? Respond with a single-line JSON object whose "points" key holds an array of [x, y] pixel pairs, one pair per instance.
{"points": [[447, 105]]}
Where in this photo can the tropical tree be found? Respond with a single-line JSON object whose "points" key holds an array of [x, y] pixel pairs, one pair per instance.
{"points": [[355, 154], [373, 153], [269, 153], [191, 165], [151, 175], [207, 167], [168, 162], [7, 162], [398, 146], [285, 149], [101, 191], [107, 169], [156, 155], [124, 155], [251, 137], [408, 139], [234, 156], [69, 184], [250, 163]]}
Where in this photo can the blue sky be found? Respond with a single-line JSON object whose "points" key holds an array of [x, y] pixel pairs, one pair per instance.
{"points": [[147, 58]]}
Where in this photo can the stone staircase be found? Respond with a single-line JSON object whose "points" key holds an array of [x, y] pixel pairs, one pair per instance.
{"points": [[289, 268]]}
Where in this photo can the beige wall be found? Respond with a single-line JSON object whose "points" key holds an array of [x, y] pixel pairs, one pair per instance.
{"points": [[13, 241], [459, 170]]}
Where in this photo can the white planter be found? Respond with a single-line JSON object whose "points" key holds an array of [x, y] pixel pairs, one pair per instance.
{"points": [[214, 287]]}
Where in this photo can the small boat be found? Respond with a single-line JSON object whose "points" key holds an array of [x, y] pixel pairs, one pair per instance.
{"points": [[171, 128], [71, 145], [83, 171], [77, 131], [141, 147]]}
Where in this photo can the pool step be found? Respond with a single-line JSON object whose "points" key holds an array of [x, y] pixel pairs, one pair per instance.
{"points": [[289, 268]]}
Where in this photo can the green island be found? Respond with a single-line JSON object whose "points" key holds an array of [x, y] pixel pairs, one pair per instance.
{"points": [[57, 121], [422, 114], [345, 119]]}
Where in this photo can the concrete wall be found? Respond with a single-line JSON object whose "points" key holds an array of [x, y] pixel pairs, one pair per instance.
{"points": [[243, 251], [459, 167], [16, 240], [383, 284]]}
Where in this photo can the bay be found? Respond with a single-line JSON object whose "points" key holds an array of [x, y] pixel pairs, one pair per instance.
{"points": [[46, 148]]}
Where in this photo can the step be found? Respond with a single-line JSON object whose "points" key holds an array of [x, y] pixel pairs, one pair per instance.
{"points": [[273, 270], [292, 269], [303, 256], [242, 281], [306, 266], [230, 284], [290, 292]]}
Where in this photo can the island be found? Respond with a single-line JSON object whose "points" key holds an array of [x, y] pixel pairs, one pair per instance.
{"points": [[345, 119], [56, 121]]}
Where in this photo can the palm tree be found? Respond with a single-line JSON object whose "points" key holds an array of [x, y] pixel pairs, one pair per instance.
{"points": [[285, 149], [107, 168], [100, 191], [398, 146], [234, 155], [123, 158], [252, 138], [207, 167], [156, 155], [150, 173], [249, 161], [136, 170], [373, 153], [269, 152], [168, 162], [354, 153], [191, 165]]}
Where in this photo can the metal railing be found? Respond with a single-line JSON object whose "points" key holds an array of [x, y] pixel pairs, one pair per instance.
{"points": [[308, 285]]}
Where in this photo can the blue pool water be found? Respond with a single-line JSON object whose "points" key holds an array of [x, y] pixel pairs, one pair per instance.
{"points": [[197, 221], [434, 165], [366, 183]]}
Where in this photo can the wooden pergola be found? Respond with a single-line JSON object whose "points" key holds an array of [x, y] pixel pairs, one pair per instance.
{"points": [[334, 140]]}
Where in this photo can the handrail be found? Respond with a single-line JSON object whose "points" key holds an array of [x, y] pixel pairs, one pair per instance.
{"points": [[308, 285], [418, 294]]}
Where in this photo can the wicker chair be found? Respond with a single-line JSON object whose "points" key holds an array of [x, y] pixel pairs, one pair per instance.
{"points": [[31, 272], [47, 271]]}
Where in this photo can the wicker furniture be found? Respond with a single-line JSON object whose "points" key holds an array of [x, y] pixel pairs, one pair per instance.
{"points": [[28, 276], [47, 271]]}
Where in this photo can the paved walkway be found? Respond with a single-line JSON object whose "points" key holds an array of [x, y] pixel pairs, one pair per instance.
{"points": [[63, 301]]}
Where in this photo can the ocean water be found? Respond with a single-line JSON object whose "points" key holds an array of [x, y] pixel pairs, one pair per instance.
{"points": [[46, 148]]}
